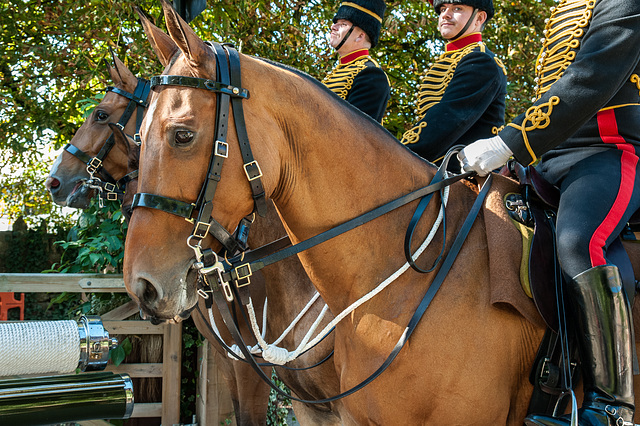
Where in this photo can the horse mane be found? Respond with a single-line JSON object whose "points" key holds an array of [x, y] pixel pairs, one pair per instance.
{"points": [[320, 86]]}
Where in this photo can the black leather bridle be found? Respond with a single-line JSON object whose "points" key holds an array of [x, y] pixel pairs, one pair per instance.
{"points": [[108, 188], [221, 283], [229, 95]]}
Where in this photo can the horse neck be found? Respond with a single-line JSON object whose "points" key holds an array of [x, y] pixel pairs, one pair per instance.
{"points": [[334, 165], [330, 155]]}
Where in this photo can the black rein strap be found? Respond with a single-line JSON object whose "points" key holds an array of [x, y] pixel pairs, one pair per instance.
{"points": [[213, 292]]}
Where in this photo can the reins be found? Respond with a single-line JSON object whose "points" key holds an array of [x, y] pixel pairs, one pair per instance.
{"points": [[222, 283], [108, 188], [213, 292], [253, 260]]}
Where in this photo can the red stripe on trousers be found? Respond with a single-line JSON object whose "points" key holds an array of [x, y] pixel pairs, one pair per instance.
{"points": [[608, 128]]}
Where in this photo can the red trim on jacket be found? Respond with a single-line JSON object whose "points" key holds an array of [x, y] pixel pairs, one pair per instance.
{"points": [[463, 42], [608, 127], [353, 56]]}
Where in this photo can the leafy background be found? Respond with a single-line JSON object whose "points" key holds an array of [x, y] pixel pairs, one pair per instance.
{"points": [[52, 53]]}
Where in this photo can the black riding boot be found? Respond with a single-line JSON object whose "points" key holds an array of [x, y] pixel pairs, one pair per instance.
{"points": [[600, 316]]}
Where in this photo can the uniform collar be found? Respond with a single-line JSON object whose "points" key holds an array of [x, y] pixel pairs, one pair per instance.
{"points": [[353, 56], [463, 42]]}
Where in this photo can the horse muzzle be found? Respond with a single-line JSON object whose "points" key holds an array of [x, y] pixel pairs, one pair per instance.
{"points": [[160, 302], [75, 195]]}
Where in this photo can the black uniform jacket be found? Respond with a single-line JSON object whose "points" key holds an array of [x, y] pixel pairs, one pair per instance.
{"points": [[359, 80], [461, 99], [588, 84]]}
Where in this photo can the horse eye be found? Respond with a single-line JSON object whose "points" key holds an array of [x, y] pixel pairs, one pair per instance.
{"points": [[183, 137], [101, 115]]}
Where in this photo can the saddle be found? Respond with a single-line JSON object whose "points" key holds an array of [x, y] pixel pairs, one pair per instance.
{"points": [[536, 207]]}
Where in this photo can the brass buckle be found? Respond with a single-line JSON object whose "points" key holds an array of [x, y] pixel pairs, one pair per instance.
{"points": [[201, 229], [221, 149], [93, 165], [243, 272], [257, 167]]}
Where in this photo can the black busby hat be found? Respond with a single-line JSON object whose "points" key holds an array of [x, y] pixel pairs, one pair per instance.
{"points": [[486, 5], [366, 14]]}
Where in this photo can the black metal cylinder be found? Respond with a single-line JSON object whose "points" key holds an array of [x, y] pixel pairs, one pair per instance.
{"points": [[56, 399]]}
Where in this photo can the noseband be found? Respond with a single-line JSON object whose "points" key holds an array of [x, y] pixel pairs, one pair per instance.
{"points": [[99, 178], [229, 94]]}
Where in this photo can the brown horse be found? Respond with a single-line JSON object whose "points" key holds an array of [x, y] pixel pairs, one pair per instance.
{"points": [[322, 164], [248, 393]]}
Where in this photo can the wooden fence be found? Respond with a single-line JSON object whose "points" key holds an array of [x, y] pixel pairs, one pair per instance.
{"points": [[213, 404]]}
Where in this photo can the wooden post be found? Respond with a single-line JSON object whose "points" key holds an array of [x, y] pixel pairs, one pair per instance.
{"points": [[171, 373], [202, 387], [214, 405]]}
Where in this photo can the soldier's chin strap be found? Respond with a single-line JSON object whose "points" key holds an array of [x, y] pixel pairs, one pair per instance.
{"points": [[466, 27], [346, 36]]}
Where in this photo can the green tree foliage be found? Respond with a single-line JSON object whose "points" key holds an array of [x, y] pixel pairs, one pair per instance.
{"points": [[52, 52]]}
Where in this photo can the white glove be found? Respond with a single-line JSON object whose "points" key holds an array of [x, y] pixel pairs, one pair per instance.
{"points": [[484, 155]]}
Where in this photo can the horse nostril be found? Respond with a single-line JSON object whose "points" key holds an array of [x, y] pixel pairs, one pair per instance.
{"points": [[149, 293], [51, 183]]}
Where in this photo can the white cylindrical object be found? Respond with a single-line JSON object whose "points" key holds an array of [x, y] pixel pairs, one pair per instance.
{"points": [[39, 347]]}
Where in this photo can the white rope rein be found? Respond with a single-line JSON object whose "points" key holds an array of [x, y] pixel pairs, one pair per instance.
{"points": [[276, 355]]}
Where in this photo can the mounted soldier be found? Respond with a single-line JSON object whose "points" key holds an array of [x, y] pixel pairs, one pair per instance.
{"points": [[584, 128], [462, 96], [357, 77]]}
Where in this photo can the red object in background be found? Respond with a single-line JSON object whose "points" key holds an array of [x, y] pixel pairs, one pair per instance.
{"points": [[8, 301]]}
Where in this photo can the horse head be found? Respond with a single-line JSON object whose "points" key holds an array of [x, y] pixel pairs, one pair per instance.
{"points": [[70, 180], [178, 134]]}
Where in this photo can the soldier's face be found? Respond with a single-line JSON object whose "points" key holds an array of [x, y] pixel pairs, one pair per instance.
{"points": [[338, 31], [453, 18]]}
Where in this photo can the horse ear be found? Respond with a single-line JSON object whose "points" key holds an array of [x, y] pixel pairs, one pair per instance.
{"points": [[161, 43], [120, 74], [187, 40]]}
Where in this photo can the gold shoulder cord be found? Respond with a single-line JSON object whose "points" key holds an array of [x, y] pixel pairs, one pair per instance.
{"points": [[539, 119], [561, 40], [341, 77], [635, 79], [562, 36], [434, 83], [500, 64]]}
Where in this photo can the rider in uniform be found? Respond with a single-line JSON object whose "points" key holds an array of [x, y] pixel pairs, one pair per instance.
{"points": [[462, 96], [357, 77], [584, 127]]}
